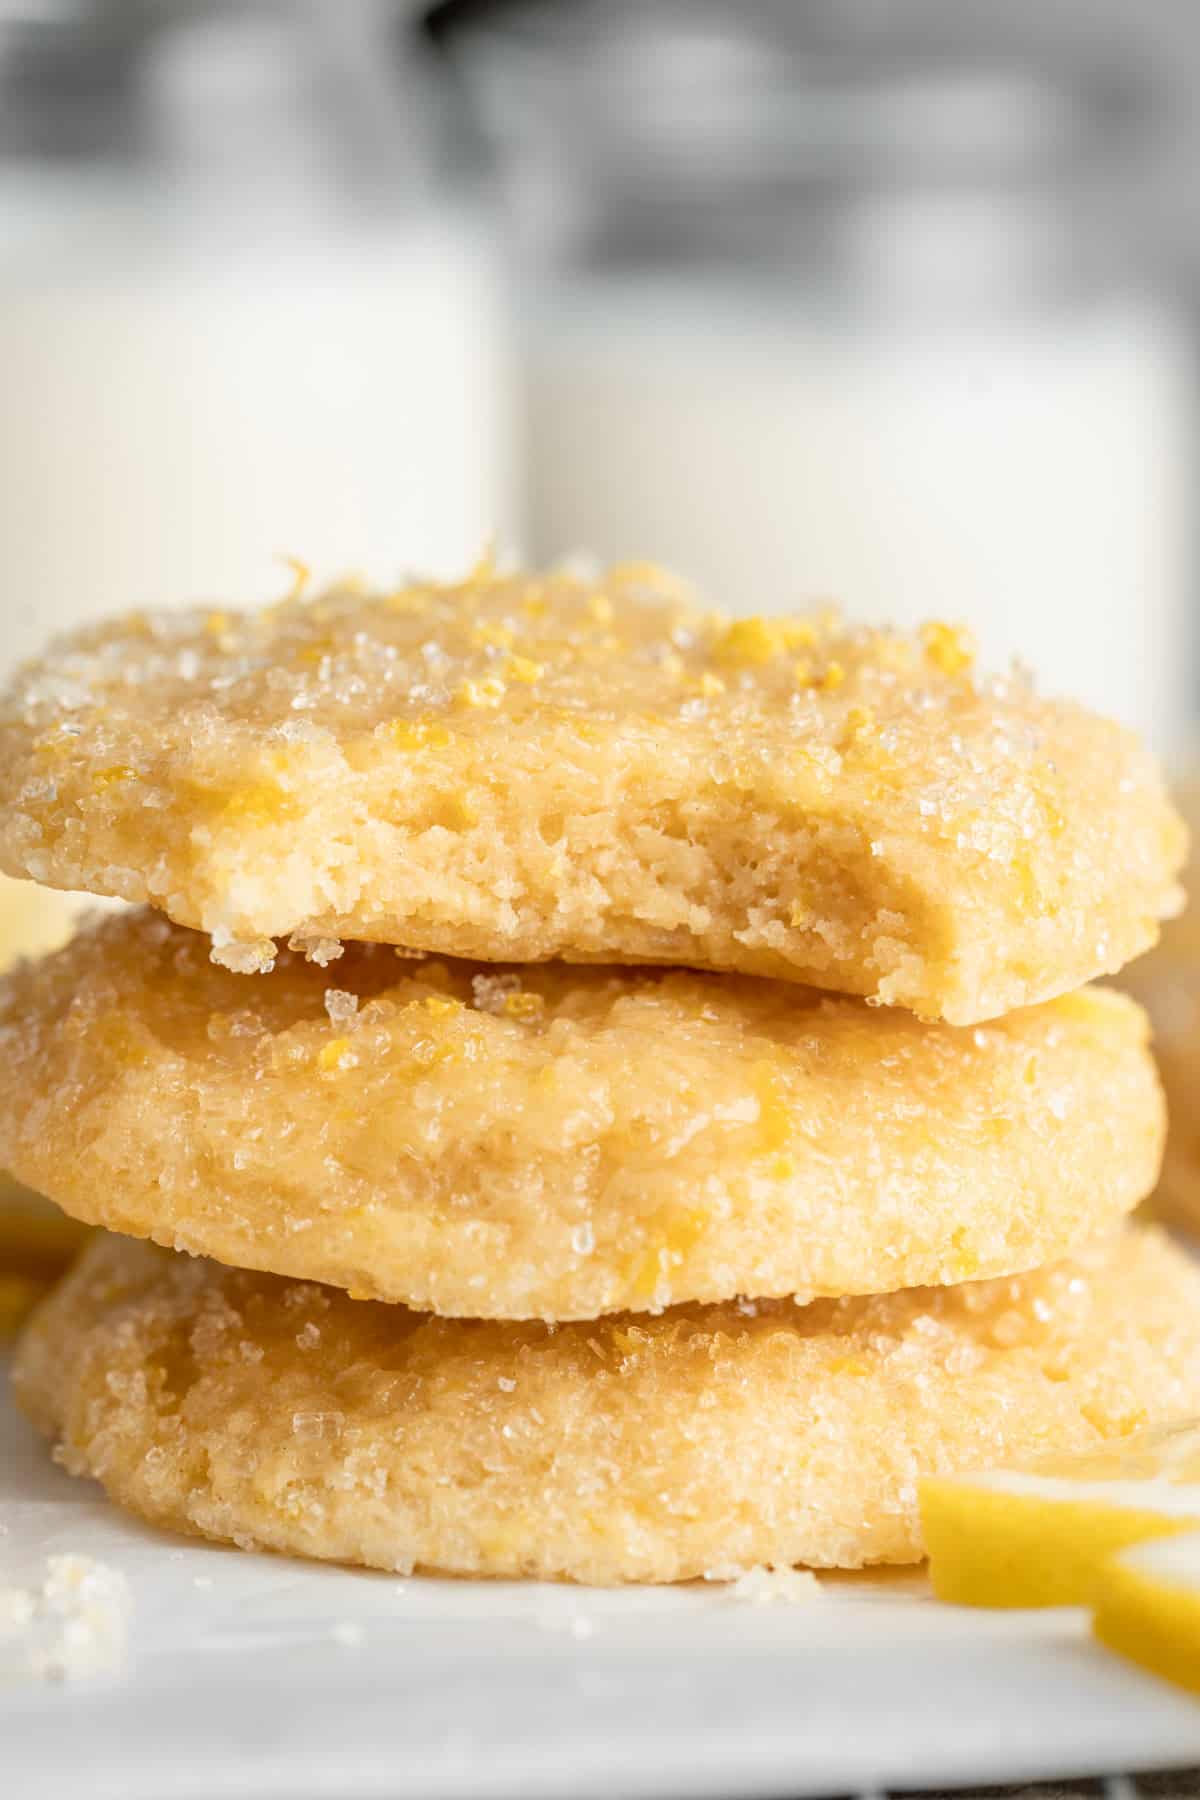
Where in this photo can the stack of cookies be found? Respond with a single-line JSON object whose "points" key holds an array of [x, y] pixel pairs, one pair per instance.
{"points": [[613, 1087]]}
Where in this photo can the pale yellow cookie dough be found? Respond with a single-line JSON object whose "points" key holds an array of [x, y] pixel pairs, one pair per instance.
{"points": [[705, 1441], [559, 1142], [523, 768]]}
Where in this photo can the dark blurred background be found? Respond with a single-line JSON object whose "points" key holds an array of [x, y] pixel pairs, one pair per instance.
{"points": [[892, 303]]}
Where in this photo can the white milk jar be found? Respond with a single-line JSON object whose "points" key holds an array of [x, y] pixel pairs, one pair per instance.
{"points": [[816, 308], [244, 313]]}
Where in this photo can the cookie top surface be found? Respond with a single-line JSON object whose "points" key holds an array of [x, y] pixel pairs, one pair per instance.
{"points": [[556, 1141], [520, 768], [705, 1441]]}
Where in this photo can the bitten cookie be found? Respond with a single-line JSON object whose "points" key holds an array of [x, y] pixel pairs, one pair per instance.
{"points": [[534, 767]]}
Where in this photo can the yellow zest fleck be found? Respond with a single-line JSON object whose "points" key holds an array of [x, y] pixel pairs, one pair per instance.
{"points": [[1126, 1424], [487, 692], [644, 1278], [534, 605], [439, 1008], [783, 1168], [581, 728], [802, 672], [506, 1541], [316, 651], [458, 813], [493, 635], [964, 1263], [710, 685], [258, 803], [600, 607], [860, 723], [799, 915], [524, 669], [774, 1114], [1056, 822], [330, 1057], [54, 742], [833, 678], [106, 778], [949, 648], [525, 1007], [749, 641], [684, 1229], [850, 1365], [1026, 884], [301, 576], [799, 634], [418, 734], [674, 1234], [216, 623]]}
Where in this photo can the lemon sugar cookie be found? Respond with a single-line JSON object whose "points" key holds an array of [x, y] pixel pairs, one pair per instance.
{"points": [[525, 768], [1167, 983], [559, 1142], [705, 1441]]}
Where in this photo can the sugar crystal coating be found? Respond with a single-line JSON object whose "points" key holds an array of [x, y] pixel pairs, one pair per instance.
{"points": [[526, 767], [559, 1142], [709, 1440]]}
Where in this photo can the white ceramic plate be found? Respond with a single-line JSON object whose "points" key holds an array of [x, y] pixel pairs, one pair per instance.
{"points": [[240, 1684]]}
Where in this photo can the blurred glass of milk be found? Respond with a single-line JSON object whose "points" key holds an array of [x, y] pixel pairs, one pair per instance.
{"points": [[821, 301], [245, 310]]}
